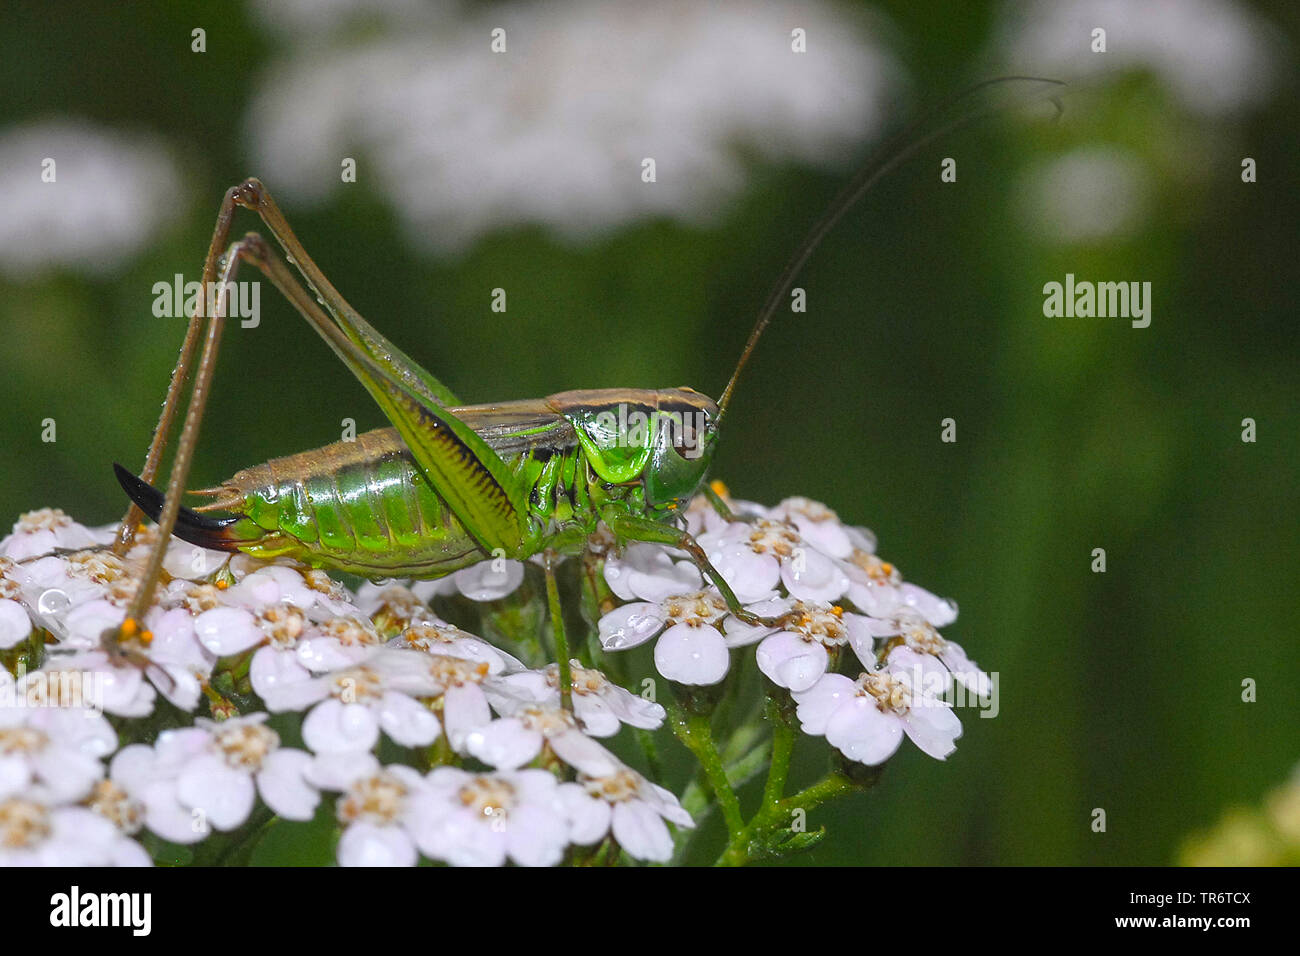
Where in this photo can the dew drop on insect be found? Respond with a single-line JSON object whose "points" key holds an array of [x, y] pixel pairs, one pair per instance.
{"points": [[52, 601]]}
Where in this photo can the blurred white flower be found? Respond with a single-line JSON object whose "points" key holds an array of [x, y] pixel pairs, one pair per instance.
{"points": [[305, 19], [376, 809], [1214, 56], [52, 754], [462, 140], [111, 194], [32, 834], [1089, 194]]}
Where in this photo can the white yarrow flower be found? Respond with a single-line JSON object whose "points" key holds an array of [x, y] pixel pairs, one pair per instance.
{"points": [[600, 705], [34, 834], [866, 719], [632, 808], [486, 819]]}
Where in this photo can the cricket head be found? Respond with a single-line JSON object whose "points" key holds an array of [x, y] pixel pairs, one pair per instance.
{"points": [[663, 438]]}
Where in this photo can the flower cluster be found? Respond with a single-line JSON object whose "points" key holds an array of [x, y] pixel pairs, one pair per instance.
{"points": [[253, 690], [824, 589]]}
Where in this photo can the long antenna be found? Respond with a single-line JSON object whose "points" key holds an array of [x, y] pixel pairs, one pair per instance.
{"points": [[967, 106]]}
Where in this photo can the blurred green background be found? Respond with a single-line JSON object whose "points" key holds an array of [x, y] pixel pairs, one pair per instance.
{"points": [[1119, 690]]}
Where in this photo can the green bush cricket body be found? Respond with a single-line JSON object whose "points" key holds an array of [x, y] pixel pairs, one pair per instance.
{"points": [[448, 485]]}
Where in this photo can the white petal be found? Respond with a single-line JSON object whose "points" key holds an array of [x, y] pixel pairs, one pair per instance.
{"points": [[15, 625], [166, 816], [87, 623], [179, 686], [790, 661], [861, 732], [924, 673], [320, 654], [408, 721], [692, 655], [464, 838], [283, 784], [132, 767], [933, 727], [940, 612], [465, 709], [337, 771], [334, 727], [667, 805], [584, 754], [752, 576], [364, 844], [740, 634], [224, 794], [277, 675], [597, 717], [633, 710], [15, 775], [630, 625], [81, 729], [509, 694], [536, 836], [227, 630], [489, 580], [812, 576], [647, 572], [819, 702], [642, 832], [504, 744], [67, 775], [829, 537], [966, 671], [588, 817]]}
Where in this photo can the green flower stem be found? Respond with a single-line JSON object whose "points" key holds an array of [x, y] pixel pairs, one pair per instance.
{"points": [[561, 641], [783, 737], [775, 816], [694, 731], [651, 753]]}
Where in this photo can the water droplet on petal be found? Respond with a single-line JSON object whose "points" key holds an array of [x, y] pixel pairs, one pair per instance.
{"points": [[52, 601]]}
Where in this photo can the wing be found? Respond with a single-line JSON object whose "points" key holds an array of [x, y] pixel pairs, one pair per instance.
{"points": [[516, 428]]}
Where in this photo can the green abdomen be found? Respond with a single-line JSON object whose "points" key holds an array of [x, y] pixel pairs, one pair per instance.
{"points": [[361, 506], [364, 507]]}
